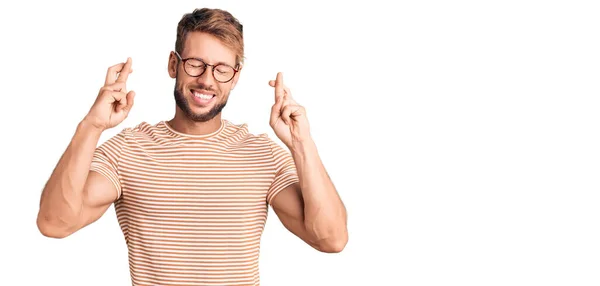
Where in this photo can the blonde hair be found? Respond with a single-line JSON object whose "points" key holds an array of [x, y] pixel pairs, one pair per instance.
{"points": [[216, 22]]}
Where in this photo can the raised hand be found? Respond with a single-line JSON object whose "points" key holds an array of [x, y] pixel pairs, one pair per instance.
{"points": [[288, 118], [113, 102]]}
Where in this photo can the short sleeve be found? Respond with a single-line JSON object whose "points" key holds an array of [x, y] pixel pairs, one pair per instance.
{"points": [[285, 170], [106, 159]]}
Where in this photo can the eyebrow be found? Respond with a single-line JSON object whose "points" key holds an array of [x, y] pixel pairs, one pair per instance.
{"points": [[217, 63]]}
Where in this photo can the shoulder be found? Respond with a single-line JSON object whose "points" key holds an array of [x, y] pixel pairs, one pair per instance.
{"points": [[137, 132], [241, 133], [140, 129], [145, 129]]}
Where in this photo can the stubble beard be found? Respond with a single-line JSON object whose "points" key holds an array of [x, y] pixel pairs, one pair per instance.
{"points": [[184, 105]]}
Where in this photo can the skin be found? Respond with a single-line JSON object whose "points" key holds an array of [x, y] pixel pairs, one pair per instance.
{"points": [[189, 119], [75, 197]]}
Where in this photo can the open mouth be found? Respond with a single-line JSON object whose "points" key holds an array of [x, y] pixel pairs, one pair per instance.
{"points": [[202, 97]]}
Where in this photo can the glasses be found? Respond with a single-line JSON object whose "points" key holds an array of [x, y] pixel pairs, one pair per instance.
{"points": [[196, 67]]}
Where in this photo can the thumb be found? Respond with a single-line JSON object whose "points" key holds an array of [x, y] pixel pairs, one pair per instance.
{"points": [[130, 97]]}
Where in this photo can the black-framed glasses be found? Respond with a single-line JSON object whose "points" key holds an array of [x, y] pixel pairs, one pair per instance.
{"points": [[195, 67]]}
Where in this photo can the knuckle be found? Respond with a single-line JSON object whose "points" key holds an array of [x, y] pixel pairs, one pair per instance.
{"points": [[116, 86], [105, 90]]}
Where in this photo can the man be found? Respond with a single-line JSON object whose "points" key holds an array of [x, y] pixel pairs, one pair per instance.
{"points": [[191, 194]]}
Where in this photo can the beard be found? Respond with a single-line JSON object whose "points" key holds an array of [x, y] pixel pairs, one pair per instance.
{"points": [[184, 105]]}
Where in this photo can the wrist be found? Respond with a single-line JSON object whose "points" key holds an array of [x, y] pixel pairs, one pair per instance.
{"points": [[89, 127], [303, 147]]}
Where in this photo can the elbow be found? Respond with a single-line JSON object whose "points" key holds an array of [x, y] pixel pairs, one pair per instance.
{"points": [[334, 244], [332, 247], [328, 238], [49, 228]]}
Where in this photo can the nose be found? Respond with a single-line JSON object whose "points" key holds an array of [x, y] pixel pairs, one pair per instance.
{"points": [[207, 77]]}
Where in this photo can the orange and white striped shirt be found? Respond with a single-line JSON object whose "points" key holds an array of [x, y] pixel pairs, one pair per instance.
{"points": [[193, 208]]}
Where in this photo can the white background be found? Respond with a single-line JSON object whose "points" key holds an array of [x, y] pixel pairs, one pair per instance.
{"points": [[462, 135]]}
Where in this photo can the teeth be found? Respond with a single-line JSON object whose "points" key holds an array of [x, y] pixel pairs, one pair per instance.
{"points": [[203, 96]]}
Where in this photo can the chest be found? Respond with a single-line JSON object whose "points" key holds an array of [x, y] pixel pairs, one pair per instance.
{"points": [[196, 180]]}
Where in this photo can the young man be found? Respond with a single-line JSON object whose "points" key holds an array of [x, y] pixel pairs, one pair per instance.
{"points": [[192, 193]]}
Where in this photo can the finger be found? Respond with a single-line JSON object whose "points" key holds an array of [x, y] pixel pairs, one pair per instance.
{"points": [[279, 91], [287, 91], [129, 98], [115, 96], [286, 101], [111, 74], [284, 96], [287, 112], [121, 103], [124, 73], [288, 95], [276, 111], [117, 86], [297, 111]]}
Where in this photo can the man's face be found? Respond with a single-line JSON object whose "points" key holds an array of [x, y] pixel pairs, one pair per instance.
{"points": [[202, 98]]}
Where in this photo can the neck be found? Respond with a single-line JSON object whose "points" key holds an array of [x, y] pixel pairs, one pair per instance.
{"points": [[183, 124]]}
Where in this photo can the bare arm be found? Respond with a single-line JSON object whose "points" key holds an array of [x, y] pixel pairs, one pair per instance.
{"points": [[312, 208], [74, 197]]}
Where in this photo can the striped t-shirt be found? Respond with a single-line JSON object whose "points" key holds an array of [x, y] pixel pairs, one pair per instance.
{"points": [[192, 208]]}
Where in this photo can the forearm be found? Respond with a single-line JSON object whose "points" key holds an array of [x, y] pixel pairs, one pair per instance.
{"points": [[324, 211], [62, 198]]}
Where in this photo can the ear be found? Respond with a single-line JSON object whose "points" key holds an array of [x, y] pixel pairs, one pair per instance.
{"points": [[236, 77], [172, 65]]}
